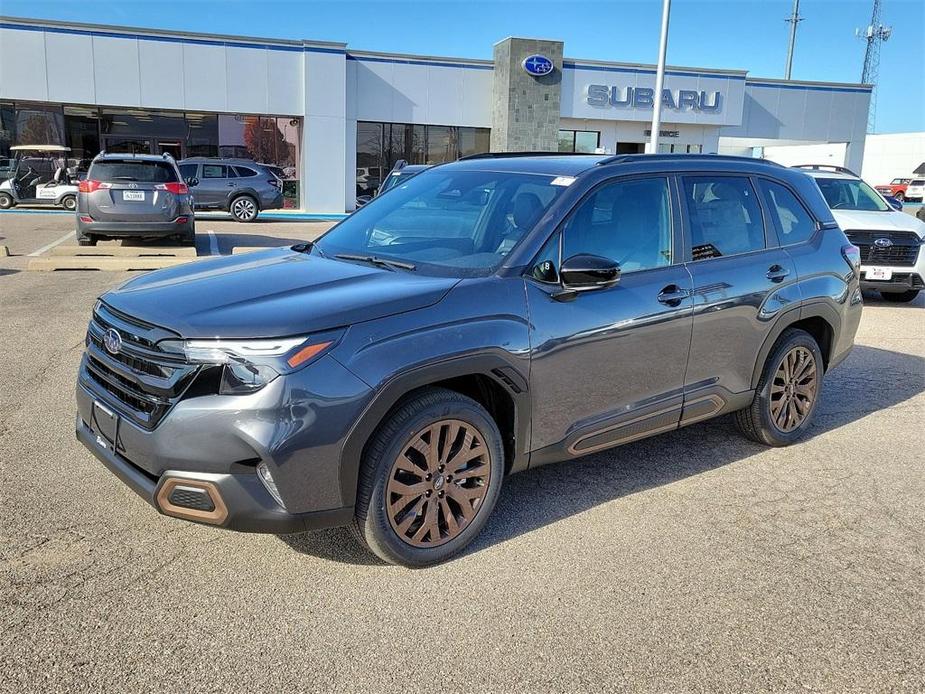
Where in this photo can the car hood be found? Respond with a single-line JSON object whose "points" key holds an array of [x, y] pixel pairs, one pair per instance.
{"points": [[878, 221], [272, 294]]}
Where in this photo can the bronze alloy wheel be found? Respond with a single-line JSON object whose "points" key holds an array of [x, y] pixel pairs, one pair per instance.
{"points": [[794, 389], [437, 483]]}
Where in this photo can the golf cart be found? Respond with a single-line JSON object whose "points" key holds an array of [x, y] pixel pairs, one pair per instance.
{"points": [[39, 176]]}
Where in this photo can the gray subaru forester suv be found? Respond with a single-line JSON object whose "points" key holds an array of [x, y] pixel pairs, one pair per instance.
{"points": [[134, 196], [240, 187], [487, 316]]}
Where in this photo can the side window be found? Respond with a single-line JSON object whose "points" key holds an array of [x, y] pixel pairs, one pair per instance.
{"points": [[625, 221], [213, 171], [794, 225], [188, 170], [244, 172], [725, 218]]}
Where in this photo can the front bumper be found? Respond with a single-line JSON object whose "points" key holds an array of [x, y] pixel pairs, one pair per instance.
{"points": [[901, 281], [250, 508], [295, 427]]}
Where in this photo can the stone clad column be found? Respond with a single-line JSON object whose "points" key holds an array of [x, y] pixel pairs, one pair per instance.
{"points": [[525, 109]]}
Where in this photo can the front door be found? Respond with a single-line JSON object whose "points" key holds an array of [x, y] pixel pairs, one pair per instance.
{"points": [[608, 366], [214, 185], [742, 280]]}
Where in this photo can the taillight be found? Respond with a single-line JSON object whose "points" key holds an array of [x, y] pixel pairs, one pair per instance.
{"points": [[181, 220], [276, 183], [88, 186], [175, 188], [852, 256]]}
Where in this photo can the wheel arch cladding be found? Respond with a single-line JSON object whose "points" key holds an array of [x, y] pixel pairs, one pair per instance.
{"points": [[488, 379], [819, 320]]}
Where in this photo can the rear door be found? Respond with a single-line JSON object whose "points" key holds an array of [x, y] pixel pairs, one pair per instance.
{"points": [[742, 280], [132, 190]]}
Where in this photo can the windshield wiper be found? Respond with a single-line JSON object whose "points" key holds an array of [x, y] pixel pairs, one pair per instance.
{"points": [[382, 262]]}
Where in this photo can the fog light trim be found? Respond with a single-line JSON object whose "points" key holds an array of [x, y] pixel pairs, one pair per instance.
{"points": [[215, 517], [263, 474]]}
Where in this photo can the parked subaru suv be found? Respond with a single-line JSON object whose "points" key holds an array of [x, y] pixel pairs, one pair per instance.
{"points": [[890, 241], [238, 186], [134, 196], [487, 316]]}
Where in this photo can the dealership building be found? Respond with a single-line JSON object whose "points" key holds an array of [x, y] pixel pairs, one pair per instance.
{"points": [[335, 119]]}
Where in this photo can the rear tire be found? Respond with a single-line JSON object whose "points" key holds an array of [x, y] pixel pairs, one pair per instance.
{"points": [[788, 391], [86, 241], [244, 208], [900, 297], [69, 203], [6, 201], [410, 510]]}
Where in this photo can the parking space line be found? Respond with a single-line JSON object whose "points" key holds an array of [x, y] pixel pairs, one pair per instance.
{"points": [[213, 243], [52, 244]]}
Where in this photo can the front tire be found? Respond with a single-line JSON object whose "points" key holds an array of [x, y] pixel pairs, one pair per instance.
{"points": [[429, 479], [788, 391], [6, 201], [900, 297], [244, 208]]}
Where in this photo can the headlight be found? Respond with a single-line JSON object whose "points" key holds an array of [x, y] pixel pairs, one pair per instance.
{"points": [[249, 365]]}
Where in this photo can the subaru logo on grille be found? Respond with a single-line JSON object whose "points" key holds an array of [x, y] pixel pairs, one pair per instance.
{"points": [[883, 243], [537, 65], [112, 341]]}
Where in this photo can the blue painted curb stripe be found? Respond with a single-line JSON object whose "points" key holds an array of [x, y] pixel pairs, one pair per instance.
{"points": [[298, 216]]}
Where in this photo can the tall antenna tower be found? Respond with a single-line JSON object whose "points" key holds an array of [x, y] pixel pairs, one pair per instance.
{"points": [[875, 34]]}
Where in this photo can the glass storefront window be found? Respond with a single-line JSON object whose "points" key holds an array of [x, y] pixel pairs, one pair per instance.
{"points": [[38, 124], [380, 145], [579, 140]]}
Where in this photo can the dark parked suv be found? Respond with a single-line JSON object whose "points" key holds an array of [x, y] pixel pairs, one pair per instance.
{"points": [[488, 316], [134, 196], [239, 186]]}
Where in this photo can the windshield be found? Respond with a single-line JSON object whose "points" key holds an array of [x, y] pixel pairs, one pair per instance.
{"points": [[850, 194], [446, 221]]}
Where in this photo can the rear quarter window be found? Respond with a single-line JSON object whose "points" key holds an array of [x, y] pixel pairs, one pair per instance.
{"points": [[244, 172], [113, 171]]}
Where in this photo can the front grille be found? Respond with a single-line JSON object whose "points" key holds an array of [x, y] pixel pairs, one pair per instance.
{"points": [[140, 380], [904, 250]]}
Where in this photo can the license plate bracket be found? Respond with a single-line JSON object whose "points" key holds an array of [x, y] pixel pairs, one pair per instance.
{"points": [[105, 426], [134, 195], [878, 273]]}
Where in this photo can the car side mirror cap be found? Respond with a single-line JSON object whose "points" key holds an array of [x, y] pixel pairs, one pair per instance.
{"points": [[894, 203], [586, 271], [192, 182]]}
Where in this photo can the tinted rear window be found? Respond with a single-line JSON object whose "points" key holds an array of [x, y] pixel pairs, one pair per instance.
{"points": [[111, 171], [244, 172]]}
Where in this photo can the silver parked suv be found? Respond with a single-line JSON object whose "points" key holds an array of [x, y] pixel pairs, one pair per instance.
{"points": [[239, 186], [134, 196]]}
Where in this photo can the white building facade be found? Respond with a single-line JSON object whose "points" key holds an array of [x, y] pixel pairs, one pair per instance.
{"points": [[336, 119]]}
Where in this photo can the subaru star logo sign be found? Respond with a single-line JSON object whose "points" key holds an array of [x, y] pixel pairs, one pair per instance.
{"points": [[537, 65], [112, 341], [883, 243]]}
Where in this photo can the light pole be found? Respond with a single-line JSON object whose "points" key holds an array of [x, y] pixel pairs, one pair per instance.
{"points": [[652, 146]]}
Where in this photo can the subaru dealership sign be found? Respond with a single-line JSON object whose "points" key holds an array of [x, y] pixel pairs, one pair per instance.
{"points": [[537, 65], [643, 97]]}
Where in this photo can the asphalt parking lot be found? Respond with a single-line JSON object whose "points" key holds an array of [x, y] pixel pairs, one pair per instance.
{"points": [[694, 561]]}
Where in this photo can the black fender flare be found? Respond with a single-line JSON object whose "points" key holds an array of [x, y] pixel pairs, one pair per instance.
{"points": [[495, 365], [816, 309]]}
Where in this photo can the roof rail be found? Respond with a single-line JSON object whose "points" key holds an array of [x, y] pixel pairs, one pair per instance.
{"points": [[504, 155], [826, 167], [622, 158]]}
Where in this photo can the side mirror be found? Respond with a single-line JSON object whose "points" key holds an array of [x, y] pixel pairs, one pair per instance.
{"points": [[191, 182], [894, 203], [581, 273]]}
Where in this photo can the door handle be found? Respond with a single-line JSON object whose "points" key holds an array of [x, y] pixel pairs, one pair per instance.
{"points": [[777, 273], [232, 185], [672, 295]]}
